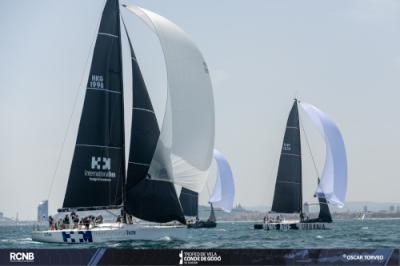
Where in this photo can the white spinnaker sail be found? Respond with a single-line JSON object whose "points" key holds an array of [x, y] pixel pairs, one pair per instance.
{"points": [[224, 189], [184, 150], [334, 176]]}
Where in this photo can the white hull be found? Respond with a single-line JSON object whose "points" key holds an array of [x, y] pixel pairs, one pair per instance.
{"points": [[112, 232], [291, 226]]}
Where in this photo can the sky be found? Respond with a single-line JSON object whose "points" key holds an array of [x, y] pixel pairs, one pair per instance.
{"points": [[341, 56]]}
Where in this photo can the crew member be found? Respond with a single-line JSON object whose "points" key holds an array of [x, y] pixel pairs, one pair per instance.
{"points": [[99, 219], [75, 219], [66, 221], [51, 223]]}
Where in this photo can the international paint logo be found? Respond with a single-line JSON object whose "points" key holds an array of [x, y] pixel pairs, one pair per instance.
{"points": [[100, 169], [22, 257]]}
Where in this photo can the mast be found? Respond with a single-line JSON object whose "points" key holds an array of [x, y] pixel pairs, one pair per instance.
{"points": [[301, 161], [123, 183], [288, 188]]}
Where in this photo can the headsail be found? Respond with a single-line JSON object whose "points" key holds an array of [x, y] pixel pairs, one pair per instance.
{"points": [[147, 199], [324, 213], [184, 150], [288, 187], [224, 189], [190, 202], [334, 176], [98, 167], [212, 217]]}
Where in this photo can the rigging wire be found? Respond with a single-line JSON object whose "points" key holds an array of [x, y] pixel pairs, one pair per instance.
{"points": [[110, 212], [309, 147]]}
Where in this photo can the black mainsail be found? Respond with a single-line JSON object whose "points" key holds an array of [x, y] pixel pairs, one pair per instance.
{"points": [[147, 199], [97, 178], [97, 172], [288, 187], [190, 202]]}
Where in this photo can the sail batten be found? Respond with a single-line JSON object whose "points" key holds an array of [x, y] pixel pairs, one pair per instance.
{"points": [[288, 186]]}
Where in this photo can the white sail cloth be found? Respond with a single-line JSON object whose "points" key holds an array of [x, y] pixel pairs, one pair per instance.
{"points": [[224, 189], [333, 182], [185, 147]]}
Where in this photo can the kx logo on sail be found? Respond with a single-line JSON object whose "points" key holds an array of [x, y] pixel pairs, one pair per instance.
{"points": [[101, 163], [100, 169]]}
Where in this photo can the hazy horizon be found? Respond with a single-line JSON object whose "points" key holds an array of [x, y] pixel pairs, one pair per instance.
{"points": [[341, 56]]}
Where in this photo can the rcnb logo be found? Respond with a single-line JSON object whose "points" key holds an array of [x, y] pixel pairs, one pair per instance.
{"points": [[101, 163], [22, 257]]}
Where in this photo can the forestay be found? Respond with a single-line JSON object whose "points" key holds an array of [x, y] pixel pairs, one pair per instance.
{"points": [[184, 150], [334, 176], [224, 190]]}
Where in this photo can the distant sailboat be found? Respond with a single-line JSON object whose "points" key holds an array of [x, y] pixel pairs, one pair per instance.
{"points": [[331, 187], [221, 198], [181, 153]]}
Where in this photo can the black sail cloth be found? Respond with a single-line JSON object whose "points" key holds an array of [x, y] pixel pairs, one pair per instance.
{"points": [[189, 202], [97, 170], [324, 215], [288, 187]]}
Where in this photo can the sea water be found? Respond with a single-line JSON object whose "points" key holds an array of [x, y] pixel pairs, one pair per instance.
{"points": [[369, 233]]}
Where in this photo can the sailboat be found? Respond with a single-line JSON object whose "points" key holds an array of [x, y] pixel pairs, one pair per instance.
{"points": [[180, 153], [221, 198], [331, 187]]}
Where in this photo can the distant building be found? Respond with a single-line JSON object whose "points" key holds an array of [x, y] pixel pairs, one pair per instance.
{"points": [[239, 208], [391, 208], [1, 215], [365, 208], [43, 211], [397, 208]]}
